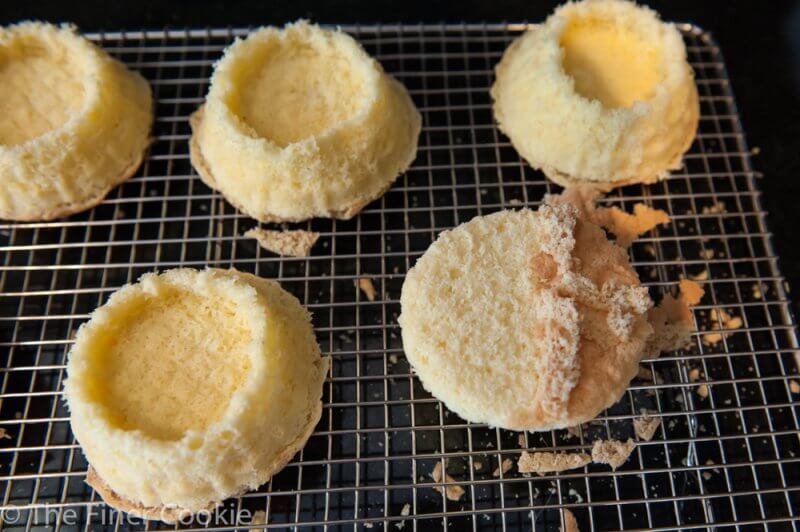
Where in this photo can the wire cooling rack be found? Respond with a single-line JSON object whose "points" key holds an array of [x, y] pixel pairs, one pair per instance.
{"points": [[727, 452]]}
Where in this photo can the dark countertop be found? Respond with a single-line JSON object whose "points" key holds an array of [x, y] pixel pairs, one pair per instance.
{"points": [[760, 41]]}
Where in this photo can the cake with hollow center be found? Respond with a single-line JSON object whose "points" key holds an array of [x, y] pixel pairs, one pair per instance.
{"points": [[302, 123], [525, 320], [190, 387], [600, 94], [74, 122]]}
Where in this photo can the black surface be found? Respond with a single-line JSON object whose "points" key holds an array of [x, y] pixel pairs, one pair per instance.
{"points": [[760, 41]]}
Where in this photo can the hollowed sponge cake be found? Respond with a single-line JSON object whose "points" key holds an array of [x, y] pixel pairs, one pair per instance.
{"points": [[302, 123], [525, 320], [600, 94], [190, 387], [74, 122]]}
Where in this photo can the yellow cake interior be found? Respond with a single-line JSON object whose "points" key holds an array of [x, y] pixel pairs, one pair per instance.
{"points": [[290, 92], [170, 363], [609, 62], [40, 89]]}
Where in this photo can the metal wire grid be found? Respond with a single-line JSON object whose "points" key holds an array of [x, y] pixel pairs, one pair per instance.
{"points": [[726, 452]]}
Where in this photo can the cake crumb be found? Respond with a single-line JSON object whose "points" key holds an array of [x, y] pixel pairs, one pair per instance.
{"points": [[729, 323], [514, 201], [794, 386], [366, 286], [404, 512], [296, 243], [521, 440], [4, 435], [672, 319], [545, 462], [368, 525], [505, 466], [707, 254], [612, 452], [393, 359], [628, 227], [259, 518], [716, 208], [702, 390], [477, 465], [702, 276], [694, 374], [650, 249], [453, 492], [575, 431], [645, 374], [645, 427], [570, 523], [757, 294]]}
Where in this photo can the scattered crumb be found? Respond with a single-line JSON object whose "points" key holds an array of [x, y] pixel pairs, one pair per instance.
{"points": [[756, 150], [650, 249], [645, 427], [453, 492], [570, 523], [716, 208], [694, 374], [702, 276], [728, 323], [405, 511], [574, 494], [393, 359], [612, 452], [707, 254], [366, 286], [702, 390], [574, 431], [506, 467], [706, 475], [521, 440], [794, 386], [259, 518], [627, 227], [645, 374], [4, 435], [368, 525], [757, 294], [551, 462], [672, 319], [296, 243], [477, 464], [514, 201]]}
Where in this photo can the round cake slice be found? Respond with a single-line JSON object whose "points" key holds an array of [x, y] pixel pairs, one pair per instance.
{"points": [[74, 122], [190, 387], [300, 123], [601, 94], [525, 320]]}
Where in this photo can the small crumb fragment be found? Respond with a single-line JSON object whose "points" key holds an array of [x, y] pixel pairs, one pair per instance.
{"points": [[794, 386], [728, 323], [672, 319], [404, 512], [645, 374], [716, 208], [453, 492], [366, 286], [368, 525], [650, 249], [393, 359], [505, 466], [702, 276], [477, 465], [4, 435], [612, 452], [545, 462], [295, 243], [514, 201], [702, 390], [707, 254], [706, 475], [757, 294], [570, 523], [645, 427], [756, 150], [574, 431], [628, 227], [694, 374], [521, 440]]}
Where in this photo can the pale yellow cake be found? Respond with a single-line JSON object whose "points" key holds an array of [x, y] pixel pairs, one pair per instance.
{"points": [[525, 320], [299, 123], [190, 387], [600, 94], [74, 122]]}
